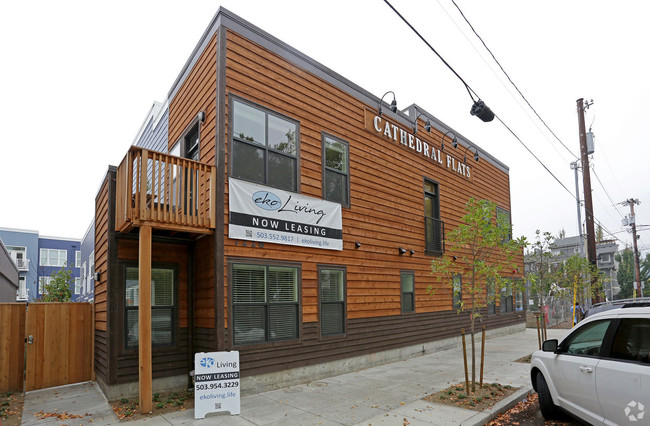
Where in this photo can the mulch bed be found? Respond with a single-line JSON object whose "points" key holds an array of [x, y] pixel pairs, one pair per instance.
{"points": [[163, 402], [482, 399]]}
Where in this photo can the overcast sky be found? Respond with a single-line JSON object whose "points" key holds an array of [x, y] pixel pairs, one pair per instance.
{"points": [[78, 78]]}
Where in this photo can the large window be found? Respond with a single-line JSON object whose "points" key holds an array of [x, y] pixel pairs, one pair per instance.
{"points": [[503, 218], [264, 303], [336, 170], [407, 281], [506, 300], [163, 305], [331, 282], [434, 227], [264, 146], [53, 257]]}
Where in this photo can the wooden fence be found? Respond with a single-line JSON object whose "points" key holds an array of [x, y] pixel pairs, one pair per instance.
{"points": [[45, 344]]}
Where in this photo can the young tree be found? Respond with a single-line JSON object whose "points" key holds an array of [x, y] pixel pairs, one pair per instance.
{"points": [[542, 266], [580, 279], [58, 289], [482, 250], [626, 275]]}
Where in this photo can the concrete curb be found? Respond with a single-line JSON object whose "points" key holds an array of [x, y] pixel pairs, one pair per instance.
{"points": [[479, 419]]}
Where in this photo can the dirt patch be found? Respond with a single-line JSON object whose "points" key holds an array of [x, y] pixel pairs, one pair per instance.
{"points": [[162, 403], [525, 359], [527, 412], [482, 399], [11, 408]]}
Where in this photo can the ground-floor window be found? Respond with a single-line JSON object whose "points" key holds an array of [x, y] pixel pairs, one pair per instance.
{"points": [[163, 306], [331, 282], [265, 303], [407, 281], [506, 300]]}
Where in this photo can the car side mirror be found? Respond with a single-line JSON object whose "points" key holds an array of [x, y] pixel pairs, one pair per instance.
{"points": [[550, 345]]}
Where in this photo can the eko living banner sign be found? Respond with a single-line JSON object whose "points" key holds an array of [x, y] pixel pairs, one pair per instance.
{"points": [[260, 213]]}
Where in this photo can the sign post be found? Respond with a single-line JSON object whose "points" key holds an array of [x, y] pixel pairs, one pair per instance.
{"points": [[216, 383]]}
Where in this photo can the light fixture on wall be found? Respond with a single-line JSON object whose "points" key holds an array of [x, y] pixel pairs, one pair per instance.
{"points": [[96, 276], [482, 111], [454, 141], [401, 250], [357, 244], [427, 125], [411, 252], [201, 116], [476, 157], [393, 105]]}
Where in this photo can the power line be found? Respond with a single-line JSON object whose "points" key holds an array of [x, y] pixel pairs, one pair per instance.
{"points": [[512, 82]]}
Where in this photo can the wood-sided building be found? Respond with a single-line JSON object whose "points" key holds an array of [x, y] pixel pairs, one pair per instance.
{"points": [[290, 218]]}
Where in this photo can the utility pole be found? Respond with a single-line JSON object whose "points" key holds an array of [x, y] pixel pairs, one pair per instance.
{"points": [[632, 221], [586, 185]]}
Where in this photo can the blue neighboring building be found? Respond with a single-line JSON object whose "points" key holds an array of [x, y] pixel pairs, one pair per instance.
{"points": [[22, 246], [88, 265], [37, 258]]}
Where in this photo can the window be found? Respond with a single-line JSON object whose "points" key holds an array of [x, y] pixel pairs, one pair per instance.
{"points": [[77, 259], [22, 289], [162, 306], [264, 146], [631, 342], [457, 283], [42, 282], [191, 143], [506, 300], [331, 282], [587, 340], [434, 227], [407, 280], [336, 170], [492, 303], [19, 256], [53, 257], [264, 303], [503, 219], [77, 286], [519, 300]]}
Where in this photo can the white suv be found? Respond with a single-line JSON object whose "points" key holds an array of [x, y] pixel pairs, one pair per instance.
{"points": [[600, 372]]}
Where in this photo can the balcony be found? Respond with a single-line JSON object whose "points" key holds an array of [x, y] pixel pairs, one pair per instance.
{"points": [[22, 264], [21, 295], [164, 192]]}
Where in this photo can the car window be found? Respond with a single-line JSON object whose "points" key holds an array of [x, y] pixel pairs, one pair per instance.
{"points": [[632, 340], [587, 340]]}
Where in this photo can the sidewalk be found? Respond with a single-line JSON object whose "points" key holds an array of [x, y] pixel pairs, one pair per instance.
{"points": [[386, 395]]}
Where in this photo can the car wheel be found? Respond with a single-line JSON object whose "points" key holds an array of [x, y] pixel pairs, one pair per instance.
{"points": [[546, 406]]}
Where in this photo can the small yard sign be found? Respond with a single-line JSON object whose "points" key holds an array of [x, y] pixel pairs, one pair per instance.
{"points": [[216, 383]]}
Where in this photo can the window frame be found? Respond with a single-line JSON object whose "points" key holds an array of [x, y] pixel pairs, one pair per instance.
{"points": [[41, 257], [618, 326], [124, 348], [180, 145], [506, 301], [343, 302], [456, 297], [231, 315], [77, 258], [605, 343], [402, 274], [501, 211], [77, 286], [431, 247], [232, 139], [324, 137]]}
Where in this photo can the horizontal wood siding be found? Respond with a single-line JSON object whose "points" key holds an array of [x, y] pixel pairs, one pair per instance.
{"points": [[164, 362], [101, 355], [204, 340]]}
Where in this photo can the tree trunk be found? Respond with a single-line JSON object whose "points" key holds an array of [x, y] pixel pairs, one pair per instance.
{"points": [[473, 357]]}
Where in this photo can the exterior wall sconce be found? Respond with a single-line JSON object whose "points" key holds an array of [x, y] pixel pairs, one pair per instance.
{"points": [[411, 252], [201, 116], [357, 244], [427, 125], [476, 157], [455, 257], [393, 105], [401, 250], [454, 141], [482, 111], [96, 276]]}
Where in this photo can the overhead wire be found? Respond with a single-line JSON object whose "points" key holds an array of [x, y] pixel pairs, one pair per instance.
{"points": [[472, 92]]}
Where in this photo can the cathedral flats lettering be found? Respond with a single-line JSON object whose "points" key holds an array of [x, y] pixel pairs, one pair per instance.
{"points": [[411, 141]]}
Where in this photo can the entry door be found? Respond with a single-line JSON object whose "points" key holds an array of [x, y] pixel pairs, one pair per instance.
{"points": [[59, 344]]}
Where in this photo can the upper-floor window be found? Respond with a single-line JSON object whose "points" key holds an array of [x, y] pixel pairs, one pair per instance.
{"points": [[53, 257], [503, 217], [336, 170], [434, 227], [457, 288], [265, 146], [77, 286], [77, 259]]}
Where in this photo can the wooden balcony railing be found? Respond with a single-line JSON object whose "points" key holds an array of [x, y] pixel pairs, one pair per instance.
{"points": [[165, 192]]}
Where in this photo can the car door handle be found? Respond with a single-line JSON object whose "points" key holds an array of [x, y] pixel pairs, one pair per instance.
{"points": [[585, 369]]}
